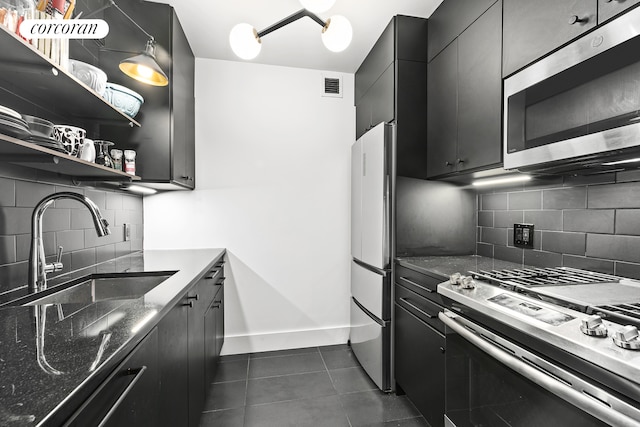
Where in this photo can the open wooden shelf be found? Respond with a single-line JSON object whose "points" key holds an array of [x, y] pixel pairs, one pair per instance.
{"points": [[24, 153], [28, 72]]}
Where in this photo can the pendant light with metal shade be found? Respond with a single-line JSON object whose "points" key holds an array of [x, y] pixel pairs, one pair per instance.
{"points": [[143, 67]]}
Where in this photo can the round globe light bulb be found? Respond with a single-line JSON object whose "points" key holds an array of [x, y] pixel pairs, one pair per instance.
{"points": [[337, 34], [317, 6], [244, 41]]}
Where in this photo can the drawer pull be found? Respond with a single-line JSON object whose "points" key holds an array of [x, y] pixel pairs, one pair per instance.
{"points": [[213, 274], [574, 19], [188, 304], [416, 284], [195, 297], [138, 374], [418, 309]]}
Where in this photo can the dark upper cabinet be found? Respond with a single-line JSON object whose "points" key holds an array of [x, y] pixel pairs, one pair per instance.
{"points": [[465, 100], [450, 19], [442, 107], [534, 28], [607, 9], [390, 85], [480, 92], [165, 142]]}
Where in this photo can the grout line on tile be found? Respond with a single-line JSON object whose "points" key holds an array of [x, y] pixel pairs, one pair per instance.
{"points": [[286, 375]]}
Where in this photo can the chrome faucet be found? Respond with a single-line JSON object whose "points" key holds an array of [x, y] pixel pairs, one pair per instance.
{"points": [[38, 267]]}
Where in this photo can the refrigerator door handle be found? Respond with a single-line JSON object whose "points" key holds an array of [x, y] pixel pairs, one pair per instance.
{"points": [[371, 268], [380, 322]]}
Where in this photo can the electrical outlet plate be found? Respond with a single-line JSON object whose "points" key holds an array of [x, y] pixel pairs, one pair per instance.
{"points": [[523, 235]]}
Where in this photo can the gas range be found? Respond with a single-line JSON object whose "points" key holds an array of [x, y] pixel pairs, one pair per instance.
{"points": [[613, 298], [592, 316]]}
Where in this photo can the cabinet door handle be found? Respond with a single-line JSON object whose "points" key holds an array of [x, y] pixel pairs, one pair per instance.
{"points": [[195, 297], [188, 304], [575, 19], [460, 161], [415, 307], [138, 374], [442, 350], [448, 163], [187, 178], [216, 306], [416, 284], [221, 281], [217, 301]]}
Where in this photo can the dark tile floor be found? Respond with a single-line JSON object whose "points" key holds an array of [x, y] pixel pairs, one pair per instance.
{"points": [[315, 387]]}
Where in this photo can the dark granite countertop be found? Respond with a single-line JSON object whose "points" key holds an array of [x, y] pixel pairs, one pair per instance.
{"points": [[33, 388], [445, 266]]}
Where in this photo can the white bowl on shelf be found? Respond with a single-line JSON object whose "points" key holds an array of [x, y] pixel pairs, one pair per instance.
{"points": [[92, 76], [123, 98]]}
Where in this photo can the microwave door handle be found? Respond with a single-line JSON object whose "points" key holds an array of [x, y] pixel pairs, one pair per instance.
{"points": [[550, 383]]}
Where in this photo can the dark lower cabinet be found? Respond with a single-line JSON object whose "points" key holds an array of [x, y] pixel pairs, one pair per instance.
{"points": [[174, 372], [129, 396], [419, 364], [187, 356], [214, 332]]}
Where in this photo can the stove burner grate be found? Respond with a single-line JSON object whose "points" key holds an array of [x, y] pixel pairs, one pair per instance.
{"points": [[551, 276], [623, 314]]}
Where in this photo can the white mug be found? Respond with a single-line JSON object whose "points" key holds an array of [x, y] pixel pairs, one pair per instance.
{"points": [[88, 151]]}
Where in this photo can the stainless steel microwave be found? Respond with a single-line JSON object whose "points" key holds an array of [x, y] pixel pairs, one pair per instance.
{"points": [[579, 107]]}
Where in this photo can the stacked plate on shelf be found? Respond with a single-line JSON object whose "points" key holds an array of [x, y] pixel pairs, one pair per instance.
{"points": [[12, 124]]}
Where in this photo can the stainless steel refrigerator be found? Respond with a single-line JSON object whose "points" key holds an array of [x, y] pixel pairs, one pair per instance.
{"points": [[371, 250]]}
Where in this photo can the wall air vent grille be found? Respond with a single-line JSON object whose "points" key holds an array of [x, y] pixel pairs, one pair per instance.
{"points": [[332, 86]]}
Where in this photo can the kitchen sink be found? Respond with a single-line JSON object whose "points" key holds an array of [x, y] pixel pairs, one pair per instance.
{"points": [[103, 287]]}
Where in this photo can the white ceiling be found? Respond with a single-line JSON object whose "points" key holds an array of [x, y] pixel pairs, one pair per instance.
{"points": [[207, 24]]}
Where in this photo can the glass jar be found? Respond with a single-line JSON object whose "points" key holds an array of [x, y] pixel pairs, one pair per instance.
{"points": [[102, 153], [130, 162], [116, 155]]}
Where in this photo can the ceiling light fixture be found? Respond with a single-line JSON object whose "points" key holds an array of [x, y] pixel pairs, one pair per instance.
{"points": [[246, 41], [498, 181], [143, 67]]}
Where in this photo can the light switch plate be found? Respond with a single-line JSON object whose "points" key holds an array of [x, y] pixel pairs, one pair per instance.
{"points": [[523, 235], [127, 232]]}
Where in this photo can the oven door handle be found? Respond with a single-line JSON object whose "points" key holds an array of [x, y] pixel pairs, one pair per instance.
{"points": [[600, 407]]}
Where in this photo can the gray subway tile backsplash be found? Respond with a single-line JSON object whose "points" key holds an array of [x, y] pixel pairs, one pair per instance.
{"points": [[564, 243], [623, 195], [544, 220], [494, 201], [628, 221], [565, 198], [622, 248], [506, 219], [590, 222], [66, 223], [525, 200]]}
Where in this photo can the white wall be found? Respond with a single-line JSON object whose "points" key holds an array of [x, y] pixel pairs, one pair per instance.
{"points": [[272, 186]]}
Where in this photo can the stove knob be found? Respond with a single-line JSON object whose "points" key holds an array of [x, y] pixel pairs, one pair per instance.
{"points": [[467, 282], [454, 279], [593, 327], [627, 338]]}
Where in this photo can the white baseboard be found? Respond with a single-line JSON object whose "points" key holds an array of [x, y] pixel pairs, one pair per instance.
{"points": [[240, 344]]}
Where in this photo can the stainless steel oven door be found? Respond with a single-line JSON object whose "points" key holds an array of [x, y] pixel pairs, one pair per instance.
{"points": [[490, 381]]}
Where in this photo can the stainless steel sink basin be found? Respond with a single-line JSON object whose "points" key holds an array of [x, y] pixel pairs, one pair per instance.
{"points": [[102, 287]]}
